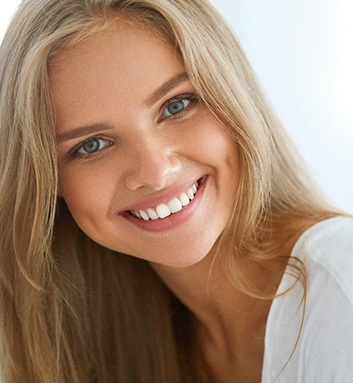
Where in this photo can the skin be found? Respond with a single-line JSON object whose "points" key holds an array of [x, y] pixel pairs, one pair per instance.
{"points": [[105, 82], [111, 87]]}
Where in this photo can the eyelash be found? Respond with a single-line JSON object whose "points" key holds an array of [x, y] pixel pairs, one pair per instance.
{"points": [[76, 150], [191, 98]]}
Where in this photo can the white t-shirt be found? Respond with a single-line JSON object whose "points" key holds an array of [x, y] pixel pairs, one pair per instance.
{"points": [[324, 350]]}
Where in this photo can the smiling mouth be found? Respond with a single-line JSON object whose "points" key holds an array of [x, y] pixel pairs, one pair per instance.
{"points": [[171, 207]]}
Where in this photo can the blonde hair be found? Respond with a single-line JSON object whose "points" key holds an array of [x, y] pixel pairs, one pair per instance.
{"points": [[72, 311]]}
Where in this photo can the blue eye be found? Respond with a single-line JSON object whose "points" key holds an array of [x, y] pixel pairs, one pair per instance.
{"points": [[177, 105], [92, 146]]}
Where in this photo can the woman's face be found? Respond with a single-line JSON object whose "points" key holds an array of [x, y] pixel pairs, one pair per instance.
{"points": [[144, 167]]}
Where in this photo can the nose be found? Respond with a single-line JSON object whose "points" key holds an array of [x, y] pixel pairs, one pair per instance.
{"points": [[152, 164]]}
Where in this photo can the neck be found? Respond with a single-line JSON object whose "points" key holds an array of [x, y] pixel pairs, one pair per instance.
{"points": [[229, 325], [209, 293]]}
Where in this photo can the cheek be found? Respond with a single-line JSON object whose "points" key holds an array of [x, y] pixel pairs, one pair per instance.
{"points": [[85, 192], [221, 150], [215, 144]]}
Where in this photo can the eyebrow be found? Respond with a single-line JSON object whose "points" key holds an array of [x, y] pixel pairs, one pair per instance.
{"points": [[166, 87], [156, 95], [81, 131]]}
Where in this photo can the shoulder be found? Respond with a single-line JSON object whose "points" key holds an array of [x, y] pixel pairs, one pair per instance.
{"points": [[326, 238], [312, 334], [326, 249]]}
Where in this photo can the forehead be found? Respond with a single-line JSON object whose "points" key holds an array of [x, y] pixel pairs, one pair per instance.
{"points": [[96, 45], [120, 62]]}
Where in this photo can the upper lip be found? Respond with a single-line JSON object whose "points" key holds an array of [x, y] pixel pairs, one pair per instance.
{"points": [[162, 198]]}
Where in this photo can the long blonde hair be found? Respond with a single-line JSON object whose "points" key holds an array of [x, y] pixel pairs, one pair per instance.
{"points": [[72, 311]]}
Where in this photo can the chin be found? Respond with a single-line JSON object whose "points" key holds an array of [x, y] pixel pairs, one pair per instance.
{"points": [[185, 259]]}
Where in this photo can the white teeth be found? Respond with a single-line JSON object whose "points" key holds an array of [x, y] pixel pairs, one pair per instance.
{"points": [[175, 205], [152, 214], [184, 199], [144, 215], [190, 194], [165, 210]]}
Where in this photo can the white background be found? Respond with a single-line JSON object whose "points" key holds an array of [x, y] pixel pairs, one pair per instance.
{"points": [[302, 51]]}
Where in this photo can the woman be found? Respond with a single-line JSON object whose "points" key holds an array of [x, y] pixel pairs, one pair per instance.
{"points": [[156, 224]]}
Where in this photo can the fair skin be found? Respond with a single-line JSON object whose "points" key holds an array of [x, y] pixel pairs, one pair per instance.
{"points": [[105, 88], [132, 136]]}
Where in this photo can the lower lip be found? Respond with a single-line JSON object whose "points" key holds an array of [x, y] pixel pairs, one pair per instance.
{"points": [[174, 219]]}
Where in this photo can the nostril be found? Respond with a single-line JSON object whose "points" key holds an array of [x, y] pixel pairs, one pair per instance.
{"points": [[152, 170]]}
